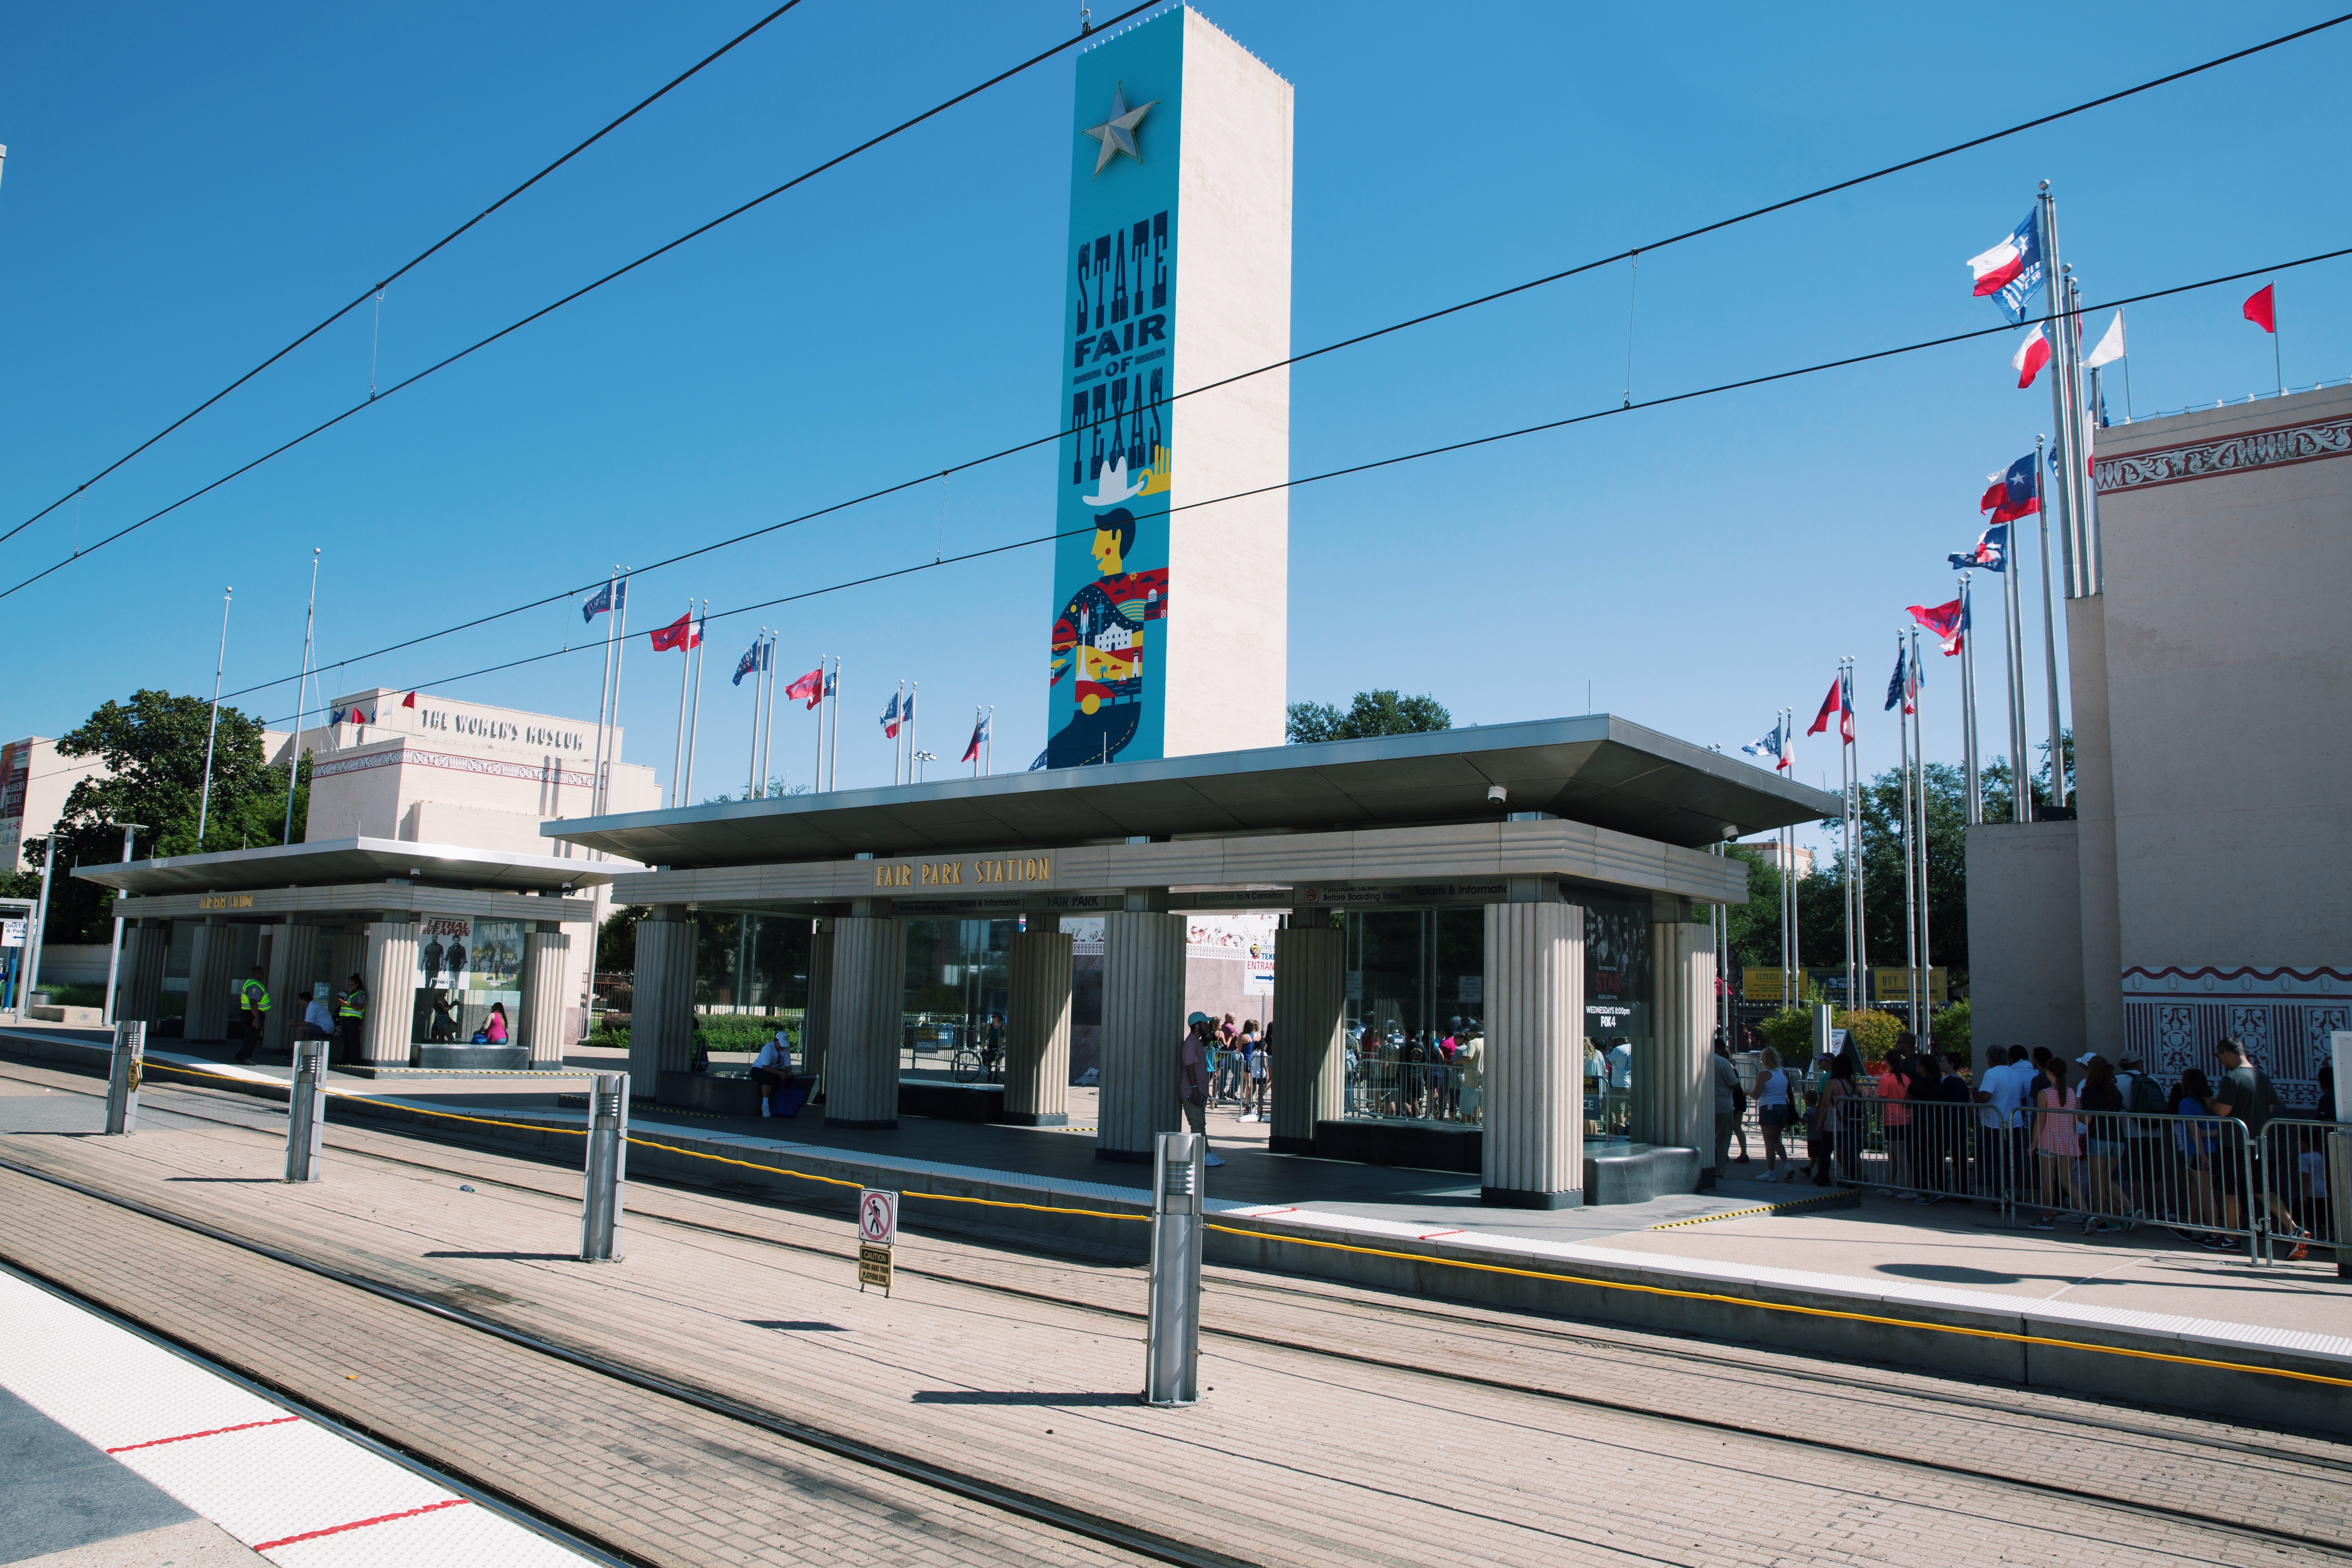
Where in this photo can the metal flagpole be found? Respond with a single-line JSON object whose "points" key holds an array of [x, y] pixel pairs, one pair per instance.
{"points": [[912, 690], [2063, 381], [2049, 644], [1968, 703], [768, 732], [896, 745], [301, 694], [752, 763], [832, 766], [603, 695], [2020, 807], [2087, 567], [620, 653], [204, 801], [1919, 815], [1910, 909], [988, 746], [975, 735], [684, 670], [824, 690], [694, 726], [114, 954]]}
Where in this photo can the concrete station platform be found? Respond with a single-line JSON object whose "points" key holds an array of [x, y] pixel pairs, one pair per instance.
{"points": [[1836, 1273]]}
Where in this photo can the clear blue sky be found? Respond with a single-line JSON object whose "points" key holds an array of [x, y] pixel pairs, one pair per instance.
{"points": [[185, 189]]}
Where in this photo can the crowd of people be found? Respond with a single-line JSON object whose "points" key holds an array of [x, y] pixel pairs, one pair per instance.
{"points": [[2103, 1142]]}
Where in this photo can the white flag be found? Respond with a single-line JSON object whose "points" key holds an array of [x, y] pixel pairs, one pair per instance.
{"points": [[2111, 347]]}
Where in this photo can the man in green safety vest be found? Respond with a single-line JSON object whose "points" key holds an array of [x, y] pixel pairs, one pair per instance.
{"points": [[351, 1010], [252, 1001]]}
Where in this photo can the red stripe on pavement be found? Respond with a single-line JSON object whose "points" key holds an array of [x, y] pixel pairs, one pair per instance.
{"points": [[361, 1523], [186, 1436]]}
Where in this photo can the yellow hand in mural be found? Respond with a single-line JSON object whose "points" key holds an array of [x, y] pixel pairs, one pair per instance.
{"points": [[1156, 478]]}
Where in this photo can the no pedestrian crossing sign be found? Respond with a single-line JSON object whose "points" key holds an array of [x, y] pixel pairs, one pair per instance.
{"points": [[877, 1230]]}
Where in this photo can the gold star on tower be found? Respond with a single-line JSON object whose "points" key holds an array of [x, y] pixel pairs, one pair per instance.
{"points": [[1116, 134]]}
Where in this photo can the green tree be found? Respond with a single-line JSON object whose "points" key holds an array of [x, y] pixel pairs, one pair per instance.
{"points": [[154, 747], [1381, 712]]}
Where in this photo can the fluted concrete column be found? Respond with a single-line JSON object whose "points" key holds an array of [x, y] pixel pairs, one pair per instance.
{"points": [[868, 1022], [1143, 1023], [293, 963], [816, 1024], [208, 982], [347, 956], [1310, 1047], [389, 1031], [1037, 1031], [546, 994], [661, 1004], [145, 945], [1534, 1143], [1673, 1085]]}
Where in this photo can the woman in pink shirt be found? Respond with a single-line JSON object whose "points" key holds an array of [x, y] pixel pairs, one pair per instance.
{"points": [[2057, 1143], [1894, 1116]]}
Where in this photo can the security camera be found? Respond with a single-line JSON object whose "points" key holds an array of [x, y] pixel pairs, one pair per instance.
{"points": [[1496, 795], [1731, 831]]}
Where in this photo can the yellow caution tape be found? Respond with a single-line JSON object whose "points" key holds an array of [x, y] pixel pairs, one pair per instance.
{"points": [[1759, 1209]]}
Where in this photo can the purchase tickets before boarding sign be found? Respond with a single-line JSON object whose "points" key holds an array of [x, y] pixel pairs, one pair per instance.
{"points": [[877, 1232]]}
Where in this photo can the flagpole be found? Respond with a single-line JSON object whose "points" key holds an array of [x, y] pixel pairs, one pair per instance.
{"points": [[694, 726], [975, 735], [911, 691], [1919, 769], [833, 769], [988, 746], [677, 758], [2049, 644], [1910, 911], [620, 653], [2062, 400], [1845, 840], [767, 729], [752, 763], [603, 695], [2085, 569], [1968, 699], [301, 695], [203, 801], [1788, 875], [2276, 372], [816, 780], [900, 701]]}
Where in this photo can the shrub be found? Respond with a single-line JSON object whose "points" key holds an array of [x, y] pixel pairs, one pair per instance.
{"points": [[1872, 1032], [1789, 1033], [1951, 1030]]}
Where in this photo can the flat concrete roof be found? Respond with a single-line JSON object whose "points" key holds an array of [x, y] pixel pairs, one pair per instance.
{"points": [[1597, 768], [343, 861]]}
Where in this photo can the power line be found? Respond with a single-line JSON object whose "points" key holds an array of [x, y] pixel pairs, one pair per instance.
{"points": [[376, 291], [1606, 412], [1057, 436], [371, 400]]}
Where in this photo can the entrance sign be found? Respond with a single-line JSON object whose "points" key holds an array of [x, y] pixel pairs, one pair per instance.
{"points": [[877, 1232]]}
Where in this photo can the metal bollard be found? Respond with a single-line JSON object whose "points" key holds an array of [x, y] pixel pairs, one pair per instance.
{"points": [[1172, 1360], [123, 1075], [608, 1155], [306, 1112]]}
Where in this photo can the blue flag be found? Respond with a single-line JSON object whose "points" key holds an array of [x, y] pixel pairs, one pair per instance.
{"points": [[1895, 684], [609, 597], [749, 663]]}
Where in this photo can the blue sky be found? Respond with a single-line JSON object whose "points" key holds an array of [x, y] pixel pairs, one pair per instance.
{"points": [[185, 190]]}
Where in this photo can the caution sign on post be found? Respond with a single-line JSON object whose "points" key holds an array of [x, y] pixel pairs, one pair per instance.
{"points": [[877, 1232]]}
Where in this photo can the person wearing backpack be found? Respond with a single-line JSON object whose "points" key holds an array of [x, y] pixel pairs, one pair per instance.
{"points": [[2143, 1141], [2245, 1096]]}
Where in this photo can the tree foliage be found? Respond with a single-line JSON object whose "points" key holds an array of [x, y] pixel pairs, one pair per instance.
{"points": [[1381, 712], [154, 746]]}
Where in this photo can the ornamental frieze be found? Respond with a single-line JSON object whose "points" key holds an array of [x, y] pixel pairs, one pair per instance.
{"points": [[2226, 455]]}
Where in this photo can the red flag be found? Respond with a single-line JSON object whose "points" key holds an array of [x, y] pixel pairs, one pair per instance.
{"points": [[1944, 620], [809, 686], [2262, 310], [1829, 707], [681, 633], [409, 701]]}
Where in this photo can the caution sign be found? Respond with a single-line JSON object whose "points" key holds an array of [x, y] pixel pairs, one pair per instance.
{"points": [[873, 1267], [878, 1231]]}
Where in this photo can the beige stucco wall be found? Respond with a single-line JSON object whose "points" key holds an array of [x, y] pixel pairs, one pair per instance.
{"points": [[2025, 943], [2229, 669], [48, 780], [1229, 564]]}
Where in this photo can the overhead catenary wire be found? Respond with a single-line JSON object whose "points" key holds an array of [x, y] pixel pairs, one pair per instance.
{"points": [[1468, 443], [376, 289], [581, 292], [1720, 223]]}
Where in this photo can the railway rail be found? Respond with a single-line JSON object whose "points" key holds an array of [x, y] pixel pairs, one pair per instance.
{"points": [[2030, 1443]]}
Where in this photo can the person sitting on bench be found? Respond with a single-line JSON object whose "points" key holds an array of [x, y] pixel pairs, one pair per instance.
{"points": [[772, 1070]]}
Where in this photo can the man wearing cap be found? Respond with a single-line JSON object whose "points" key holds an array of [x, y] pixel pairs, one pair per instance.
{"points": [[1192, 1076]]}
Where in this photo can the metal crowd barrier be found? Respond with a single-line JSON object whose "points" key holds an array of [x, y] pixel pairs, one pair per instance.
{"points": [[1387, 1089], [2102, 1170], [2306, 1169]]}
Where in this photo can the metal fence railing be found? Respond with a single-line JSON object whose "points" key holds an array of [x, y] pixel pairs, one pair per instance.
{"points": [[2201, 1176], [2304, 1170], [1386, 1089]]}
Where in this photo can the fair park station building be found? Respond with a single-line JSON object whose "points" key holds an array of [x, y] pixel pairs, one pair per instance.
{"points": [[1550, 879]]}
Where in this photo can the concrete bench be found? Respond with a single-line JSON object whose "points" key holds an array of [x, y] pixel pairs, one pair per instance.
{"points": [[721, 1093]]}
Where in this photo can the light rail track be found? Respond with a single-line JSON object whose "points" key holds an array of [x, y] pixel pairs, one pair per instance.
{"points": [[1338, 1305]]}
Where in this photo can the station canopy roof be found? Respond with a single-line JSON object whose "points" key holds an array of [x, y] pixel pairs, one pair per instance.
{"points": [[1597, 768], [343, 861]]}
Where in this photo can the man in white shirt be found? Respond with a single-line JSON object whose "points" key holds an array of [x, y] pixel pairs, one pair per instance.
{"points": [[772, 1070], [318, 1022], [2000, 1130]]}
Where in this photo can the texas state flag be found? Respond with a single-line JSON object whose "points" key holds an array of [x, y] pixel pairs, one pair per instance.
{"points": [[2030, 356], [1991, 552], [2011, 269], [2012, 493]]}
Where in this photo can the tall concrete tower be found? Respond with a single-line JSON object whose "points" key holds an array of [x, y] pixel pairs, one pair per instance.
{"points": [[1170, 607]]}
